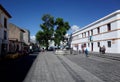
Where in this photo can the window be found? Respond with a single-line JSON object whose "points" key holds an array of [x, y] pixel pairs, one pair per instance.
{"points": [[109, 43], [98, 44], [5, 22], [85, 34], [91, 32], [0, 20], [98, 30], [5, 35], [88, 33], [109, 27]]}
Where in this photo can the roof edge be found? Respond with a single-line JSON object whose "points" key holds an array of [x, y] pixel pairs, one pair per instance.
{"points": [[5, 11], [103, 18]]}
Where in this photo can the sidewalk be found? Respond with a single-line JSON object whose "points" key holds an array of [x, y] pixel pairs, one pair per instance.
{"points": [[113, 56], [108, 54]]}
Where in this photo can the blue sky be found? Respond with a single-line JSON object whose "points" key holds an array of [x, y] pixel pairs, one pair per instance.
{"points": [[27, 13]]}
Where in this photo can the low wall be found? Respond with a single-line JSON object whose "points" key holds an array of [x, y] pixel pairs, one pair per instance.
{"points": [[62, 52]]}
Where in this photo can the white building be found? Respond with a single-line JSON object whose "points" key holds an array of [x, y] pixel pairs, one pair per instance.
{"points": [[105, 31], [4, 17]]}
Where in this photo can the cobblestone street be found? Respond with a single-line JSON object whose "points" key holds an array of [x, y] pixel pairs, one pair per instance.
{"points": [[105, 69], [48, 67], [73, 68]]}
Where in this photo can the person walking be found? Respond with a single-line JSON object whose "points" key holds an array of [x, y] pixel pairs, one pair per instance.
{"points": [[100, 49], [86, 52], [82, 47], [103, 49]]}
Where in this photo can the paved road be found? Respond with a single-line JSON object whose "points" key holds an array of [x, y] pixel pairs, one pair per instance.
{"points": [[49, 67], [106, 69]]}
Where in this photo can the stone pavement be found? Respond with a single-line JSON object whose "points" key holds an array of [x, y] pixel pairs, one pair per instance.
{"points": [[56, 68], [113, 56], [106, 69], [47, 68]]}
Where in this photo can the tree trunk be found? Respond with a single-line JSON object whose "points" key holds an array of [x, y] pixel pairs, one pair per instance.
{"points": [[47, 45]]}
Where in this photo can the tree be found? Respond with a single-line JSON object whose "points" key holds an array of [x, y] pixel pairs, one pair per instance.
{"points": [[47, 30], [40, 37], [50, 27], [61, 30]]}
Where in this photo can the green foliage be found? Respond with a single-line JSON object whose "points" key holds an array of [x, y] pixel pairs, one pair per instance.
{"points": [[61, 30], [47, 30], [40, 37], [51, 27]]}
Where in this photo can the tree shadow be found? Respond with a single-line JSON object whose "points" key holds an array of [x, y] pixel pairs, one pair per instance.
{"points": [[16, 70]]}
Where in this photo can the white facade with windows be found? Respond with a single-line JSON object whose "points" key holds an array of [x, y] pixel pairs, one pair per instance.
{"points": [[105, 31]]}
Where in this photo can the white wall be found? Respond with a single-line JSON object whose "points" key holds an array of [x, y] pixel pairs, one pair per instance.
{"points": [[118, 24], [118, 46], [104, 35]]}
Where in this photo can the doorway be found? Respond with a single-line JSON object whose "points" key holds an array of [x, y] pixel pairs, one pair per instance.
{"points": [[91, 46]]}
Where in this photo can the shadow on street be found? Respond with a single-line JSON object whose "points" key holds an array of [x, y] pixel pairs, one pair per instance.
{"points": [[16, 70]]}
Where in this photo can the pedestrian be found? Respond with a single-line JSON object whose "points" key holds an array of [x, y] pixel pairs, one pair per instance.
{"points": [[80, 52], [103, 49], [43, 50], [82, 47], [86, 52], [100, 49]]}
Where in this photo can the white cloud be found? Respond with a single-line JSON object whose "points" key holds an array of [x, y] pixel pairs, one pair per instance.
{"points": [[74, 28], [66, 35], [32, 39]]}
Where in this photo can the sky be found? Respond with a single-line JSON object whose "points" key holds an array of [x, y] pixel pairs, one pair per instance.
{"points": [[79, 13]]}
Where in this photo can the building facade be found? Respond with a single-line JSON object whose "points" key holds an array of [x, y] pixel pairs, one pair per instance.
{"points": [[4, 17], [26, 36], [16, 40], [103, 32]]}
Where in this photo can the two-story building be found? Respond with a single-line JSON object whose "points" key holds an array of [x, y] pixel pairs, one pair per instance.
{"points": [[16, 40], [105, 31], [4, 17]]}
